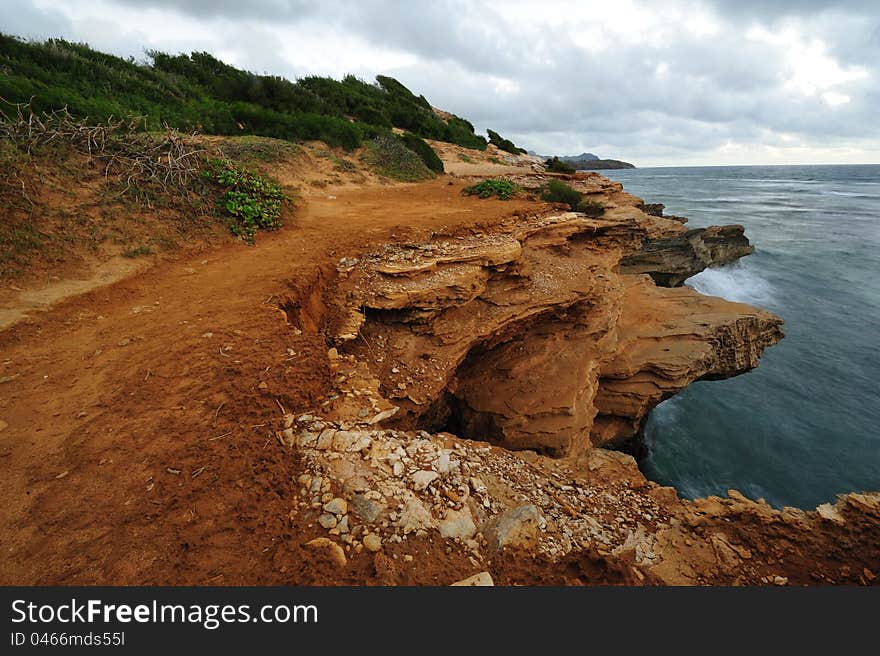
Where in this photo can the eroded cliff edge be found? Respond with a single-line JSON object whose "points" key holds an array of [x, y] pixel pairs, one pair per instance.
{"points": [[480, 374], [547, 332]]}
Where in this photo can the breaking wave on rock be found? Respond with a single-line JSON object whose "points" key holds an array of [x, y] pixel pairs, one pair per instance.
{"points": [[737, 282]]}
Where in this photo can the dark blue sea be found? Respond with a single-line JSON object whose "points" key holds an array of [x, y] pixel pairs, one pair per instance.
{"points": [[805, 425]]}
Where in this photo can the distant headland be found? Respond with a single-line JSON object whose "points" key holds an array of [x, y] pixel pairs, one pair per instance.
{"points": [[588, 162]]}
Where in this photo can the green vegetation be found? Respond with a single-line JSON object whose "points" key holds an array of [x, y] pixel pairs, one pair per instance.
{"points": [[257, 149], [250, 200], [461, 132], [390, 157], [504, 144], [559, 192], [137, 251], [501, 187], [423, 150], [556, 165], [591, 208], [200, 92]]}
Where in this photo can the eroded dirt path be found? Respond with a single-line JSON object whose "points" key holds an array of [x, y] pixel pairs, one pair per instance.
{"points": [[135, 450]]}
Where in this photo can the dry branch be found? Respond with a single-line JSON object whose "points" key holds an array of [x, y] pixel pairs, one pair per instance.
{"points": [[172, 160]]}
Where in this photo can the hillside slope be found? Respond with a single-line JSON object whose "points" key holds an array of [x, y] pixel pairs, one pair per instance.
{"points": [[198, 91]]}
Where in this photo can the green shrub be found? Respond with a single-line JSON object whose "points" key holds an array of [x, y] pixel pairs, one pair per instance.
{"points": [[461, 132], [390, 157], [591, 208], [559, 192], [250, 200], [501, 187], [199, 92], [556, 165], [421, 148], [504, 144]]}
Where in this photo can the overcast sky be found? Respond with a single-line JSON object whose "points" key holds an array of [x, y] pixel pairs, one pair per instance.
{"points": [[654, 83]]}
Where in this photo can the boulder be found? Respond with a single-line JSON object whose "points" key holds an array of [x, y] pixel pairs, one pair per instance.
{"points": [[517, 528]]}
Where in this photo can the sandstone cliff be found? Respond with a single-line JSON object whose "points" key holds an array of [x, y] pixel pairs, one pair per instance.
{"points": [[542, 332]]}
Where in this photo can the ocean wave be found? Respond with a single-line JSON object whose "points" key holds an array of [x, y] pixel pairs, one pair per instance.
{"points": [[737, 282], [849, 194]]}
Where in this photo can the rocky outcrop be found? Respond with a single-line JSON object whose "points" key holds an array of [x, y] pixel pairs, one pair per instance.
{"points": [[667, 339], [489, 502], [672, 260], [538, 334]]}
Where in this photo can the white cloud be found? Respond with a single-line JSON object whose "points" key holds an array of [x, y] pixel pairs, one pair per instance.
{"points": [[687, 81]]}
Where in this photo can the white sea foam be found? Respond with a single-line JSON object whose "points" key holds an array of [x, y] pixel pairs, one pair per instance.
{"points": [[737, 282]]}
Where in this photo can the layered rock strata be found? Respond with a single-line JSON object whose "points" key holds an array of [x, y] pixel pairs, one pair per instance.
{"points": [[539, 334], [672, 260]]}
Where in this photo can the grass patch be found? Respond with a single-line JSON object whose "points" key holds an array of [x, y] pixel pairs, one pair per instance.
{"points": [[18, 245], [465, 158], [500, 187], [137, 251], [391, 158], [343, 165], [257, 149]]}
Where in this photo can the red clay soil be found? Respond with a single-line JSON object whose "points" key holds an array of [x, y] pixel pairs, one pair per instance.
{"points": [[136, 450]]}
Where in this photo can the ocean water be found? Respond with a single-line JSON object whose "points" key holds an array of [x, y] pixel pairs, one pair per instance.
{"points": [[805, 425]]}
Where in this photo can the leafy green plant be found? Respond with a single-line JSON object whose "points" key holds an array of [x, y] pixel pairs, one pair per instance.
{"points": [[501, 187], [250, 200], [390, 157], [559, 192]]}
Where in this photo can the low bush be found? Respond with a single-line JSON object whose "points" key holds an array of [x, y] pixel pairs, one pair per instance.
{"points": [[461, 132], [591, 208], [421, 148], [250, 201], [559, 192], [501, 187], [556, 165], [390, 157], [504, 144]]}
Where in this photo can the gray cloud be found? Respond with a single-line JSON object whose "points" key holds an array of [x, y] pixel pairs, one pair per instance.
{"points": [[23, 19], [798, 77]]}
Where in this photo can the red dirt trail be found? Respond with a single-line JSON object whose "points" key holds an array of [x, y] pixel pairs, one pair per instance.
{"points": [[136, 451]]}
